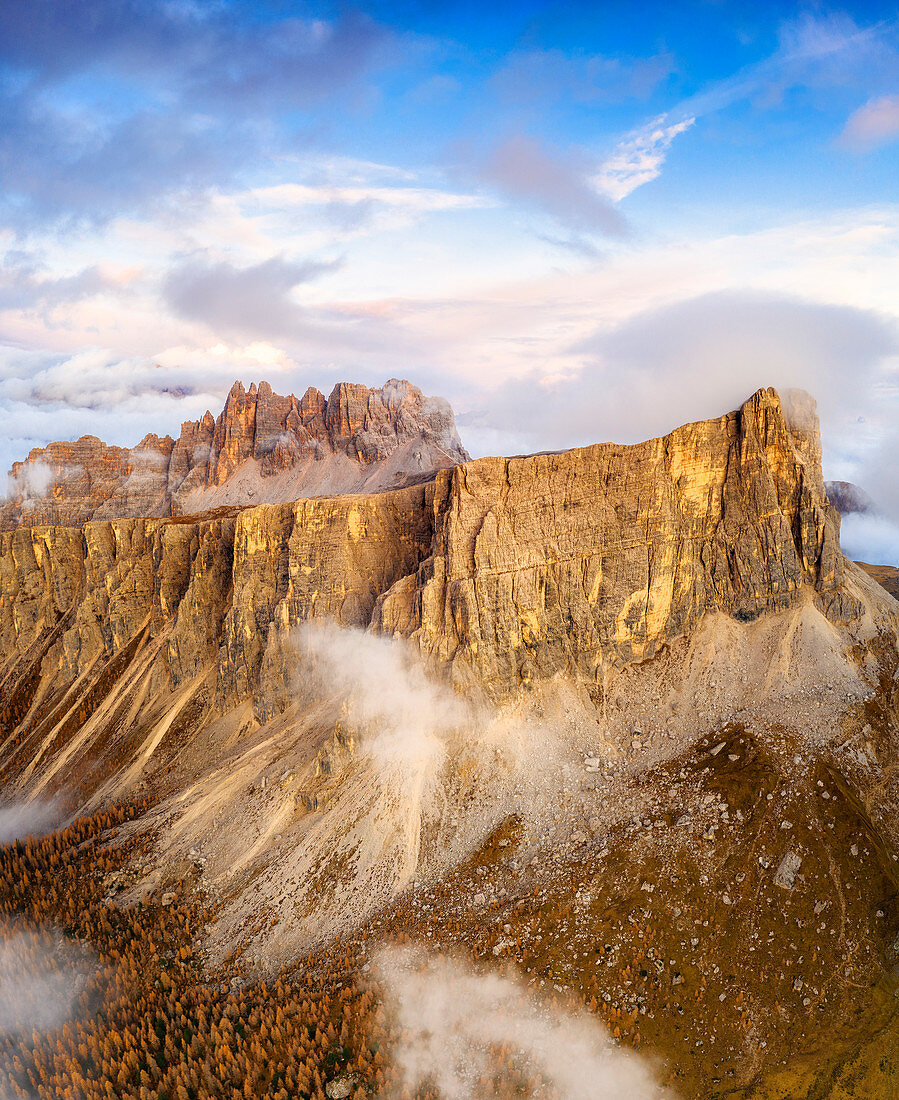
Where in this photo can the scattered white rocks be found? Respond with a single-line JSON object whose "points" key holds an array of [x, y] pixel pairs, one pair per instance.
{"points": [[785, 875], [340, 1088]]}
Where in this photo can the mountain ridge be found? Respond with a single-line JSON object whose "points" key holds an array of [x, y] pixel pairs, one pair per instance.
{"points": [[623, 717], [261, 448], [500, 569]]}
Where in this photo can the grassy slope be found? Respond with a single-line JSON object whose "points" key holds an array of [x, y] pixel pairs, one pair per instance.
{"points": [[887, 576]]}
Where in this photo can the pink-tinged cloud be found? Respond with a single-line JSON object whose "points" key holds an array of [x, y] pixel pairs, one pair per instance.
{"points": [[875, 123], [558, 183]]}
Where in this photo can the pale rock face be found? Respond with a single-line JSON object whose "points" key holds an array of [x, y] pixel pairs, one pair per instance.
{"points": [[568, 562], [503, 572], [262, 448]]}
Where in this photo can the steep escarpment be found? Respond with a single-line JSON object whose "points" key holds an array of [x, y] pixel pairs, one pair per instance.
{"points": [[262, 448], [569, 561], [111, 631], [119, 635]]}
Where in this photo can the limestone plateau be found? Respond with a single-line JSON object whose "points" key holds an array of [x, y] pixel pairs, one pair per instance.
{"points": [[622, 718], [261, 448]]}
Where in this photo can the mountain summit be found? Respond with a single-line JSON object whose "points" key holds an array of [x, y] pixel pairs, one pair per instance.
{"points": [[262, 448]]}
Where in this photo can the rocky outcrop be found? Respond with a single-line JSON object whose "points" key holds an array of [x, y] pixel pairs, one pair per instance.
{"points": [[502, 571], [848, 498], [567, 562], [262, 448]]}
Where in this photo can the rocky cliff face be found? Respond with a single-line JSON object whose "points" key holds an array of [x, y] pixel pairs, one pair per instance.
{"points": [[571, 561], [262, 448], [503, 571], [676, 736]]}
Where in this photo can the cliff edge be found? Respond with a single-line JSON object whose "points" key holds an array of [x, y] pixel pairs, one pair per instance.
{"points": [[502, 572]]}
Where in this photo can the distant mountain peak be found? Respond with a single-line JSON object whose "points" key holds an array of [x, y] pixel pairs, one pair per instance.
{"points": [[262, 448], [847, 498]]}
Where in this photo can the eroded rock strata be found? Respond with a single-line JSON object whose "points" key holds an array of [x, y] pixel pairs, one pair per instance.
{"points": [[501, 570]]}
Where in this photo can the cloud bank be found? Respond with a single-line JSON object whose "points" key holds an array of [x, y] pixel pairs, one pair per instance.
{"points": [[870, 538], [249, 301], [696, 359]]}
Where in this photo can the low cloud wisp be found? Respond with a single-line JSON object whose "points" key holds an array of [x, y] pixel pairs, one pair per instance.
{"points": [[382, 688], [451, 1017], [21, 819], [42, 980], [32, 480]]}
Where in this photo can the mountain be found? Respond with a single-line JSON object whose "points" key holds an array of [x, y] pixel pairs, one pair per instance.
{"points": [[501, 571], [622, 718], [261, 448], [848, 498]]}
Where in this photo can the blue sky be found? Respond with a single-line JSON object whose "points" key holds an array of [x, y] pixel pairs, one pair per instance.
{"points": [[576, 221]]}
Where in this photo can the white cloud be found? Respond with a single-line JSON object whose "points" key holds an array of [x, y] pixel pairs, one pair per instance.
{"points": [[21, 819], [813, 51], [638, 159], [452, 1019], [32, 482], [875, 123], [42, 976], [870, 538], [412, 199]]}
